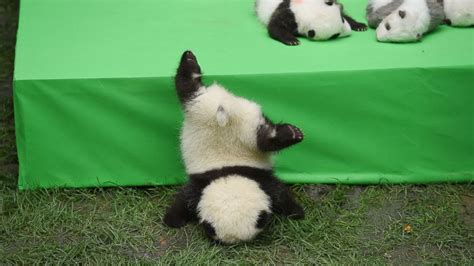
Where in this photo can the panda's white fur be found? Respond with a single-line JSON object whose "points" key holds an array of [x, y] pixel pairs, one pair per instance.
{"points": [[376, 4], [410, 28], [265, 9], [459, 12], [314, 15], [220, 130], [222, 204]]}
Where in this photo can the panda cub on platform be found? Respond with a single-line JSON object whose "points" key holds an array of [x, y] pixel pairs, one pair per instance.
{"points": [[226, 144], [404, 20], [459, 13], [314, 19]]}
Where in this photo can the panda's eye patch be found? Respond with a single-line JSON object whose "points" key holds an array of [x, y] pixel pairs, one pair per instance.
{"points": [[311, 33], [329, 3], [402, 13], [387, 26]]}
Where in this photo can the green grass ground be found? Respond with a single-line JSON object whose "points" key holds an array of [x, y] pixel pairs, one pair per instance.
{"points": [[344, 224]]}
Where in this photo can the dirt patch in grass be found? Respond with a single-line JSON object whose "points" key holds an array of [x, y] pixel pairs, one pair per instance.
{"points": [[467, 210], [353, 196], [161, 245], [403, 255], [378, 218], [316, 192]]}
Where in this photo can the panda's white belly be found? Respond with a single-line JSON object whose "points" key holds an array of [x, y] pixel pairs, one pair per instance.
{"points": [[232, 205]]}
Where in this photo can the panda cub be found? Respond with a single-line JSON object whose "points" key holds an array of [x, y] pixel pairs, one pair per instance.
{"points": [[314, 19], [459, 13], [404, 20], [226, 144]]}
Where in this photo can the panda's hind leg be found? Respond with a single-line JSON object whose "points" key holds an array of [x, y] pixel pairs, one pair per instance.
{"points": [[178, 214], [285, 204]]}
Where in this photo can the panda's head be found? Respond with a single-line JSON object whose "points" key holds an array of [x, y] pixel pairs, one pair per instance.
{"points": [[402, 25], [320, 19], [221, 129]]}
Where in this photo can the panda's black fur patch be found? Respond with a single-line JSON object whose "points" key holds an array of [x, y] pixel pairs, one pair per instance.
{"points": [[188, 77], [263, 219], [209, 229], [282, 25]]}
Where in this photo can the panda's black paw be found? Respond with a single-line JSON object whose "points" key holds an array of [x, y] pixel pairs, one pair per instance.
{"points": [[289, 135], [291, 42], [189, 65], [359, 26], [174, 221], [188, 56]]}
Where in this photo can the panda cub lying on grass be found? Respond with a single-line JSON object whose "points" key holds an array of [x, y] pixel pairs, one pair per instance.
{"points": [[226, 144]]}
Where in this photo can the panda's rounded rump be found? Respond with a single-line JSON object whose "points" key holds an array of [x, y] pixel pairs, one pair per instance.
{"points": [[233, 205]]}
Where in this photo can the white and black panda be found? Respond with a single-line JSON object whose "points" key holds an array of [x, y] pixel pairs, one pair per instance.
{"points": [[314, 19], [459, 13], [226, 144], [404, 20]]}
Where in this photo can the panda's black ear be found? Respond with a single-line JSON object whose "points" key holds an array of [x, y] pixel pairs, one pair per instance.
{"points": [[188, 77], [221, 116], [402, 13]]}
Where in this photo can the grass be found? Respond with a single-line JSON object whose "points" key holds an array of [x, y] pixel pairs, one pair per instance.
{"points": [[344, 224]]}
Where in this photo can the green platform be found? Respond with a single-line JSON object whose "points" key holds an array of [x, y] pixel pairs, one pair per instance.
{"points": [[95, 103]]}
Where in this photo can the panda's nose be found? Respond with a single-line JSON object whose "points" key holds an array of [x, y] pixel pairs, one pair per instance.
{"points": [[334, 36]]}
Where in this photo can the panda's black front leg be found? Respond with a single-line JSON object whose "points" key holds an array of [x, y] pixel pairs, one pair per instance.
{"points": [[357, 26], [272, 138], [178, 214], [285, 204], [282, 34], [282, 25]]}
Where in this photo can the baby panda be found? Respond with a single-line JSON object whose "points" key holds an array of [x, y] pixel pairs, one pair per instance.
{"points": [[314, 19], [404, 20], [459, 12], [227, 144]]}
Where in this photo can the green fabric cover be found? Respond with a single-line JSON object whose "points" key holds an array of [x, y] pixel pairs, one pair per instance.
{"points": [[95, 103]]}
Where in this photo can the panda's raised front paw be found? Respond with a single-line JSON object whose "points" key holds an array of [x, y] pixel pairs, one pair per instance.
{"points": [[189, 64], [288, 134], [359, 26]]}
